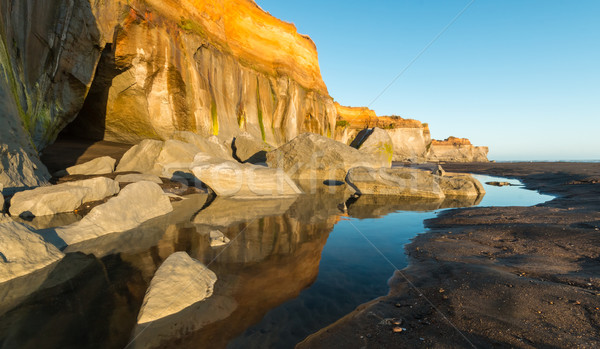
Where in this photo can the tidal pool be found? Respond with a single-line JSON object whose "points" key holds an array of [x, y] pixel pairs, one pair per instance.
{"points": [[292, 267]]}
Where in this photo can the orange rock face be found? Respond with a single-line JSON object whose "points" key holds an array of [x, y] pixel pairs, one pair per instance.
{"points": [[452, 141], [248, 32], [363, 117]]}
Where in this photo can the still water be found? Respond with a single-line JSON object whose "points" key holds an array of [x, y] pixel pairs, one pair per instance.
{"points": [[291, 268]]}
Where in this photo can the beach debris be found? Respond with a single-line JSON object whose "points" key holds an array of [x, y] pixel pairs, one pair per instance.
{"points": [[499, 184], [398, 329]]}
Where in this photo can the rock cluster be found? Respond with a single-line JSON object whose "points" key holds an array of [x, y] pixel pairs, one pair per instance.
{"points": [[135, 204], [65, 197]]}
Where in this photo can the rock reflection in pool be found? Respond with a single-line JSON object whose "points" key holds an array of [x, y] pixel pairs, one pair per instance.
{"points": [[292, 266]]}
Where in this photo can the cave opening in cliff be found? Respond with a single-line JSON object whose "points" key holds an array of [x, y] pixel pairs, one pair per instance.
{"points": [[81, 137], [90, 122]]}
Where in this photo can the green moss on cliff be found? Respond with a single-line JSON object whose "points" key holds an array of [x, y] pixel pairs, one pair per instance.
{"points": [[260, 116], [215, 118]]}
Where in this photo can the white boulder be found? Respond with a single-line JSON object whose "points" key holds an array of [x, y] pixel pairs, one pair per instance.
{"points": [[310, 156], [135, 204], [64, 197], [23, 251], [98, 166], [179, 282], [230, 178]]}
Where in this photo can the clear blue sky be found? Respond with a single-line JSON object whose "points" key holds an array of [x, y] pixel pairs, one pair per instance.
{"points": [[521, 76]]}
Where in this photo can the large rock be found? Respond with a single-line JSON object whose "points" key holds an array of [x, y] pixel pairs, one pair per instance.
{"points": [[408, 182], [454, 184], [249, 149], [20, 166], [230, 178], [135, 204], [410, 143], [179, 282], [159, 158], [98, 166], [23, 251], [376, 142], [311, 156], [141, 157], [65, 197], [211, 145]]}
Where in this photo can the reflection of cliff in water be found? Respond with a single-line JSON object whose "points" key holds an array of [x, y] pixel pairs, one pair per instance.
{"points": [[274, 254]]}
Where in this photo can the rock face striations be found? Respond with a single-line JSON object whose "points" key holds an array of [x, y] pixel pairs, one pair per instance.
{"points": [[132, 70]]}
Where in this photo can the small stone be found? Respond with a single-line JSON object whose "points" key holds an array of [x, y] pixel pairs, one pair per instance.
{"points": [[442, 290], [578, 302], [397, 322], [398, 329]]}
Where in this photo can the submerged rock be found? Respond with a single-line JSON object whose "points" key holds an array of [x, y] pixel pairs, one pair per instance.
{"points": [[65, 197], [376, 142], [217, 238], [135, 204], [401, 181], [178, 283], [23, 251], [228, 178], [248, 149], [98, 166], [311, 156]]}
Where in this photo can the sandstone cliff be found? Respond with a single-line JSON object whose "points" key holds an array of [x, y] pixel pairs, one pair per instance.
{"points": [[454, 149], [138, 69], [410, 138]]}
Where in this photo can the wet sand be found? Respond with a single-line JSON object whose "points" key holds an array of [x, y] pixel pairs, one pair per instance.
{"points": [[526, 277]]}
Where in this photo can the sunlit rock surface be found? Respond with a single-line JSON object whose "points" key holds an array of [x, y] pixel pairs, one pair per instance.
{"points": [[135, 204], [179, 282], [311, 156], [23, 251], [457, 150], [61, 198]]}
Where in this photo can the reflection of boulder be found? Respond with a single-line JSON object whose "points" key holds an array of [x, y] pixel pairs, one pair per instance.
{"points": [[224, 212], [179, 282], [290, 253], [73, 305], [377, 206], [144, 236]]}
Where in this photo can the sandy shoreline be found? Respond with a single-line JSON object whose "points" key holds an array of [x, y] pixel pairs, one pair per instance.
{"points": [[495, 277]]}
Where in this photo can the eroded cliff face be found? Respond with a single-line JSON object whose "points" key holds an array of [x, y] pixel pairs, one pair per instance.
{"points": [[147, 68], [411, 138], [455, 149]]}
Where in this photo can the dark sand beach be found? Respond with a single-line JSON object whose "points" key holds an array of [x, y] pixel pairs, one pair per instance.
{"points": [[526, 277]]}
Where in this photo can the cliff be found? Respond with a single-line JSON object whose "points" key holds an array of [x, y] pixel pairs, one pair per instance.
{"points": [[411, 138], [129, 70], [455, 149]]}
